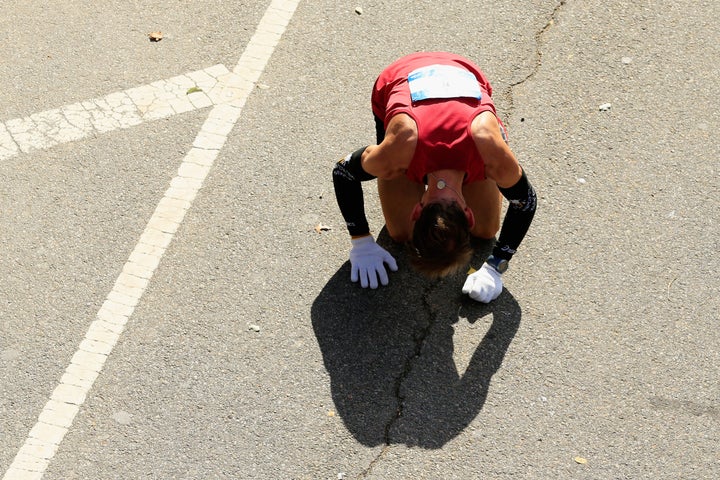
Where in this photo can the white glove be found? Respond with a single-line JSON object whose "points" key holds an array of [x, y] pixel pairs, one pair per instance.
{"points": [[367, 259], [485, 285]]}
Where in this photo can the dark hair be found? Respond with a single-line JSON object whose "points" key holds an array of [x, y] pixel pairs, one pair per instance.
{"points": [[441, 240]]}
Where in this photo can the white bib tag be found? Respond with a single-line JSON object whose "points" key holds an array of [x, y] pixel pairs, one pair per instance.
{"points": [[442, 81]]}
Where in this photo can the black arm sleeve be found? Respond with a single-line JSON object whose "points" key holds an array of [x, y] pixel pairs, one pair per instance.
{"points": [[519, 216], [347, 177]]}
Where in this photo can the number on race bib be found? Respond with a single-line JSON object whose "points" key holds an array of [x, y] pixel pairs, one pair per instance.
{"points": [[442, 81]]}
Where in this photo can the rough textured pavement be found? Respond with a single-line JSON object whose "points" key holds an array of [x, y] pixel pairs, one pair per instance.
{"points": [[600, 359]]}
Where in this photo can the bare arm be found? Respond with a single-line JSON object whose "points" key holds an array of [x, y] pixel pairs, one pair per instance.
{"points": [[502, 167], [392, 157], [500, 163], [388, 160]]}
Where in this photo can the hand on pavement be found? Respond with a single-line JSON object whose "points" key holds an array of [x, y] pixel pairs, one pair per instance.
{"points": [[368, 260], [485, 285]]}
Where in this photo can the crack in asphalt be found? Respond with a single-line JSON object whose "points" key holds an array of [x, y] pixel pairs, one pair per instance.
{"points": [[420, 338], [424, 332], [538, 58]]}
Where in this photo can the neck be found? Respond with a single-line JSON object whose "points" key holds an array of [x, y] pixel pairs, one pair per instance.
{"points": [[445, 185]]}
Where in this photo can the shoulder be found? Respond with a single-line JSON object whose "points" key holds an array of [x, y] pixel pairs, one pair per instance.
{"points": [[402, 129], [392, 157], [486, 127], [500, 163]]}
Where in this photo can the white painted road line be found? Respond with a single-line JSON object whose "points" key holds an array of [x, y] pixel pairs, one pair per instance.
{"points": [[117, 110], [229, 96]]}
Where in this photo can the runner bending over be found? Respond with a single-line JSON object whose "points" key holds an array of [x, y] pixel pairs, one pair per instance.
{"points": [[442, 165]]}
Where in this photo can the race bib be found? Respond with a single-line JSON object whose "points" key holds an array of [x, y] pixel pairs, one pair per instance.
{"points": [[442, 81]]}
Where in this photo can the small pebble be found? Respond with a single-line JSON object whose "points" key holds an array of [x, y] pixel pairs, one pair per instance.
{"points": [[359, 10], [605, 107], [581, 181], [254, 328], [10, 354], [123, 418]]}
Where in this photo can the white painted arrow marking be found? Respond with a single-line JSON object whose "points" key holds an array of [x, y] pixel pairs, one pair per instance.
{"points": [[229, 94], [125, 109]]}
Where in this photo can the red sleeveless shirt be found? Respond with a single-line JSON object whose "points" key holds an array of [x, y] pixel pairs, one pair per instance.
{"points": [[444, 137]]}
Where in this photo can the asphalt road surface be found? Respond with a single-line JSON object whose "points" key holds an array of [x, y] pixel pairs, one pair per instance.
{"points": [[169, 310]]}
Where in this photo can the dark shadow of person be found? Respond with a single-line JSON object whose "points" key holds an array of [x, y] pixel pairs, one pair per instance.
{"points": [[389, 353]]}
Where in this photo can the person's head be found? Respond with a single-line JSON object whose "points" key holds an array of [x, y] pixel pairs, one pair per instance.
{"points": [[441, 238]]}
